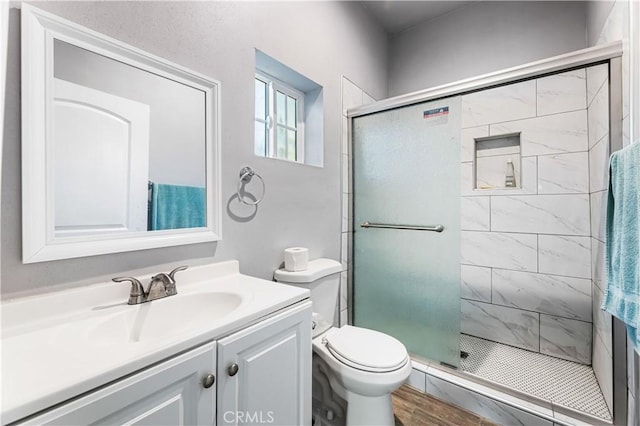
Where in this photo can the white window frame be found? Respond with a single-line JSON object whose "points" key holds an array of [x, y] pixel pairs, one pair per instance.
{"points": [[274, 85]]}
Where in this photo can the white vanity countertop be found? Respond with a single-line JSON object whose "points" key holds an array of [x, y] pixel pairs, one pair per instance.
{"points": [[50, 352]]}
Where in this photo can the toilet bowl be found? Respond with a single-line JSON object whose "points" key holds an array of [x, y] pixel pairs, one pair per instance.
{"points": [[363, 366]]}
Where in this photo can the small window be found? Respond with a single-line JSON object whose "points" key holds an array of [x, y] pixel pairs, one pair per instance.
{"points": [[279, 119], [289, 113]]}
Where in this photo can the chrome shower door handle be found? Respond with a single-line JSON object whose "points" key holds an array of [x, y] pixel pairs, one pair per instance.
{"points": [[433, 228]]}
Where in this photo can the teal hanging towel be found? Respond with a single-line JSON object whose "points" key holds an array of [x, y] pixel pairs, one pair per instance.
{"points": [[622, 295], [177, 206]]}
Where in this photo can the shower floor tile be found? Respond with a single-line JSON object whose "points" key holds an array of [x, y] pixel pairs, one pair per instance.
{"points": [[563, 382]]}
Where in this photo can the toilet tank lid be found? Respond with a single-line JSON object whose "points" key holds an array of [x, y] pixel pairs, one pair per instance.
{"points": [[317, 269]]}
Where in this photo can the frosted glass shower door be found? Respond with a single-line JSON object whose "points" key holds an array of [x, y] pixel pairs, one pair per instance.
{"points": [[406, 171]]}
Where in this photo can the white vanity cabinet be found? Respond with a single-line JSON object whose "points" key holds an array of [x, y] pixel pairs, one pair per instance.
{"points": [[262, 375], [170, 393], [264, 371]]}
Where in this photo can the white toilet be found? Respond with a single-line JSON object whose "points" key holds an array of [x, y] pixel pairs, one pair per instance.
{"points": [[363, 366]]}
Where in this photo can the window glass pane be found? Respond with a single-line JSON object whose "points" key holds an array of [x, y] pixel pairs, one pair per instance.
{"points": [[260, 139], [281, 107], [281, 143], [291, 111], [261, 99], [291, 145]]}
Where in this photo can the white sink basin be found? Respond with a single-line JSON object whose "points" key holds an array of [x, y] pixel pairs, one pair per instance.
{"points": [[166, 317], [84, 337]]}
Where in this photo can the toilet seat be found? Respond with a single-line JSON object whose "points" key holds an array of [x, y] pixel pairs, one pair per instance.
{"points": [[366, 349]]}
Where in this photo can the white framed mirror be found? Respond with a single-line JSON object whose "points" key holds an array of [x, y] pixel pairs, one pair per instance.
{"points": [[120, 148]]}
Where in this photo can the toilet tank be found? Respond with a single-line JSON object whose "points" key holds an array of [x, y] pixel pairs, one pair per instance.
{"points": [[322, 278]]}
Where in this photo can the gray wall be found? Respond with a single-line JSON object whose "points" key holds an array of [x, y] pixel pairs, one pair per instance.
{"points": [[4, 34], [483, 37], [322, 40], [597, 14]]}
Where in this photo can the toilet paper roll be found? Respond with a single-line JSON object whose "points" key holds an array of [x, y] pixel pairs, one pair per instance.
{"points": [[296, 259]]}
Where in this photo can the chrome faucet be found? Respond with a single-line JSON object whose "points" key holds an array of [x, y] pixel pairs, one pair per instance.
{"points": [[168, 281], [161, 285], [137, 295]]}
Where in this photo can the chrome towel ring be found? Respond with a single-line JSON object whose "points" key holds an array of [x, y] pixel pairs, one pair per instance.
{"points": [[246, 174]]}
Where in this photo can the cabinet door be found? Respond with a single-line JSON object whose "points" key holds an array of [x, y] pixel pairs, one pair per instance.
{"points": [[264, 371], [170, 393]]}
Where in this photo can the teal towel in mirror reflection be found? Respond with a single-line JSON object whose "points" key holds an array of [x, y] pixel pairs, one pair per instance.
{"points": [[622, 295], [176, 206]]}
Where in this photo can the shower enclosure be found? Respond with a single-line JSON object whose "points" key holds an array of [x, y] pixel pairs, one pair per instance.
{"points": [[478, 232], [404, 178]]}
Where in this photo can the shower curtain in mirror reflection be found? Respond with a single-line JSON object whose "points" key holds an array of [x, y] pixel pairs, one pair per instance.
{"points": [[176, 206]]}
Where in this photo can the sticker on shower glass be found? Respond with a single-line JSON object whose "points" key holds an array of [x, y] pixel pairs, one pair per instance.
{"points": [[436, 115]]}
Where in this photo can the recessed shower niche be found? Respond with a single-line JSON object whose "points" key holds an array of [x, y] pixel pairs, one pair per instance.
{"points": [[497, 162]]}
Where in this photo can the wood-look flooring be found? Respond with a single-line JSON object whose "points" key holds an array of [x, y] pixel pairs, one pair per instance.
{"points": [[414, 408]]}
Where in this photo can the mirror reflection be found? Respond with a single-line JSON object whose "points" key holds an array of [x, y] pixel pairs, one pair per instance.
{"points": [[129, 147]]}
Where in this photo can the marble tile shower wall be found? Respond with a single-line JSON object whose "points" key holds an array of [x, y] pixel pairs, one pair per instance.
{"points": [[598, 113], [615, 27], [352, 96], [526, 251]]}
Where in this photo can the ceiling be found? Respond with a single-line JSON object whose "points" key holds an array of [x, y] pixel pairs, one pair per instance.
{"points": [[397, 16]]}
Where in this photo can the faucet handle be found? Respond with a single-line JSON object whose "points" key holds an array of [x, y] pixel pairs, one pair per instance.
{"points": [[170, 282], [178, 269], [171, 285], [137, 294]]}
